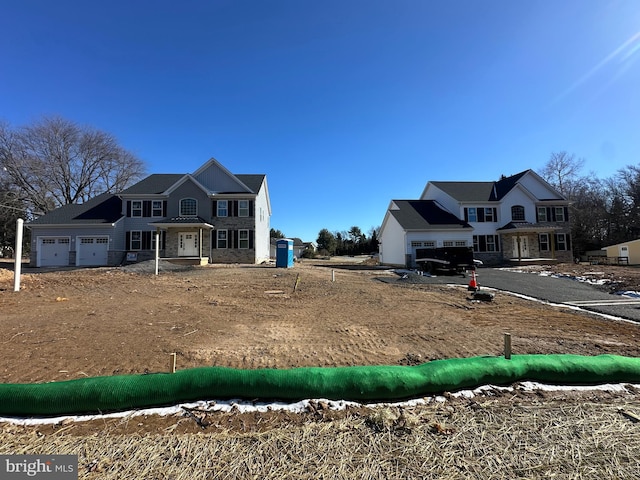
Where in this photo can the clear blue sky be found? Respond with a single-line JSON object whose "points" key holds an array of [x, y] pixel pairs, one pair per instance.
{"points": [[344, 105]]}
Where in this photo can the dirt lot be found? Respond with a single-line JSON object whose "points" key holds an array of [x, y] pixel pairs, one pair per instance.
{"points": [[105, 321], [77, 323]]}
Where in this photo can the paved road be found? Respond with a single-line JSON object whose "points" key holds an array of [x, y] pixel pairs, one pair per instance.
{"points": [[552, 289]]}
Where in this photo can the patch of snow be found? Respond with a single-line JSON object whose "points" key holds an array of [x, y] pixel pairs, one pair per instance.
{"points": [[302, 406], [548, 273], [628, 293]]}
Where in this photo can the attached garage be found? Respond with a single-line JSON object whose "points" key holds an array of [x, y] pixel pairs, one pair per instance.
{"points": [[92, 251], [53, 251]]}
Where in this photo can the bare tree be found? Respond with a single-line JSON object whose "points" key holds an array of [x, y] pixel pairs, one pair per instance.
{"points": [[56, 162], [11, 208], [562, 172], [590, 210]]}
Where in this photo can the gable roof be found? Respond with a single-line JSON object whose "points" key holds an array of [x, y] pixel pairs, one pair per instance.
{"points": [[103, 209], [480, 191], [254, 182], [212, 165], [156, 183], [107, 208], [159, 183], [425, 215], [184, 179]]}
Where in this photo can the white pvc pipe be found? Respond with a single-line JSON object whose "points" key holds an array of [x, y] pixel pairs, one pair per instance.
{"points": [[157, 250], [18, 255]]}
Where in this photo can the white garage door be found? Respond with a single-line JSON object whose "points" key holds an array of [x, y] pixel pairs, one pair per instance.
{"points": [[53, 251], [92, 251]]}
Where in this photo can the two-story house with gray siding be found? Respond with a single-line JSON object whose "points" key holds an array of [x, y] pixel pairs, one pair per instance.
{"points": [[210, 215], [517, 218]]}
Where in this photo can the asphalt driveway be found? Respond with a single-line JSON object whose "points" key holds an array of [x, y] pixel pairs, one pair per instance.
{"points": [[550, 289]]}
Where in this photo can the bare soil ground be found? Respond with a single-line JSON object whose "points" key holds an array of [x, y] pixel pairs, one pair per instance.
{"points": [[105, 321]]}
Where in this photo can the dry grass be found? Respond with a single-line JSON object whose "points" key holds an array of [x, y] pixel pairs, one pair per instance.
{"points": [[499, 436], [483, 438]]}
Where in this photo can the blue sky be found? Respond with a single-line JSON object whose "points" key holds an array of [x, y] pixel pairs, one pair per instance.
{"points": [[344, 105]]}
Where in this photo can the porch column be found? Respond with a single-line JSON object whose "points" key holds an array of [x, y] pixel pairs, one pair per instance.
{"points": [[519, 250], [200, 243], [552, 239], [211, 240]]}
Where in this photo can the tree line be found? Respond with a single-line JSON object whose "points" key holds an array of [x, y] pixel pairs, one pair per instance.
{"points": [[603, 211], [352, 242]]}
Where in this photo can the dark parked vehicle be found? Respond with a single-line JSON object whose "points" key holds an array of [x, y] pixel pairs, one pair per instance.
{"points": [[450, 259]]}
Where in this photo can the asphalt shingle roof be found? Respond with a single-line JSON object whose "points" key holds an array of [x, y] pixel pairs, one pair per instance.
{"points": [[154, 184], [181, 220], [254, 182], [105, 208], [424, 215], [160, 182], [480, 191]]}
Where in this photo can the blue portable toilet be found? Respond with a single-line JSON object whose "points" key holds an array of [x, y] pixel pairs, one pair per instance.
{"points": [[284, 253]]}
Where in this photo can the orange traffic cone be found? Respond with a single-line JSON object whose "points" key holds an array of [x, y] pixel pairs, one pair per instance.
{"points": [[473, 284]]}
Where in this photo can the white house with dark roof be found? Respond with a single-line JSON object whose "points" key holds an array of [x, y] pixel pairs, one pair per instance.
{"points": [[298, 247], [517, 218], [210, 215]]}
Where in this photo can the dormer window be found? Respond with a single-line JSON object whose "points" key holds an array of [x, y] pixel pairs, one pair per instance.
{"points": [[188, 207], [517, 213]]}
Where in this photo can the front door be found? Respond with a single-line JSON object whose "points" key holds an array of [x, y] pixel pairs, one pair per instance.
{"points": [[524, 247], [188, 244]]}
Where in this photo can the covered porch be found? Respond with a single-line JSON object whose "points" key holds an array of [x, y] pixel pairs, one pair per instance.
{"points": [[188, 240], [526, 243]]}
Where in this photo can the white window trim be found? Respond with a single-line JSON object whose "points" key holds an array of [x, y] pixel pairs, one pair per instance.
{"points": [[492, 243], [134, 209], [153, 209], [542, 214], [226, 208], [488, 213], [544, 240], [153, 241], [562, 244], [559, 211], [241, 208], [475, 214], [519, 209], [182, 214], [240, 239], [131, 247], [226, 240]]}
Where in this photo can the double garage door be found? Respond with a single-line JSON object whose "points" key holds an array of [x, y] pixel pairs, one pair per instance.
{"points": [[90, 251]]}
